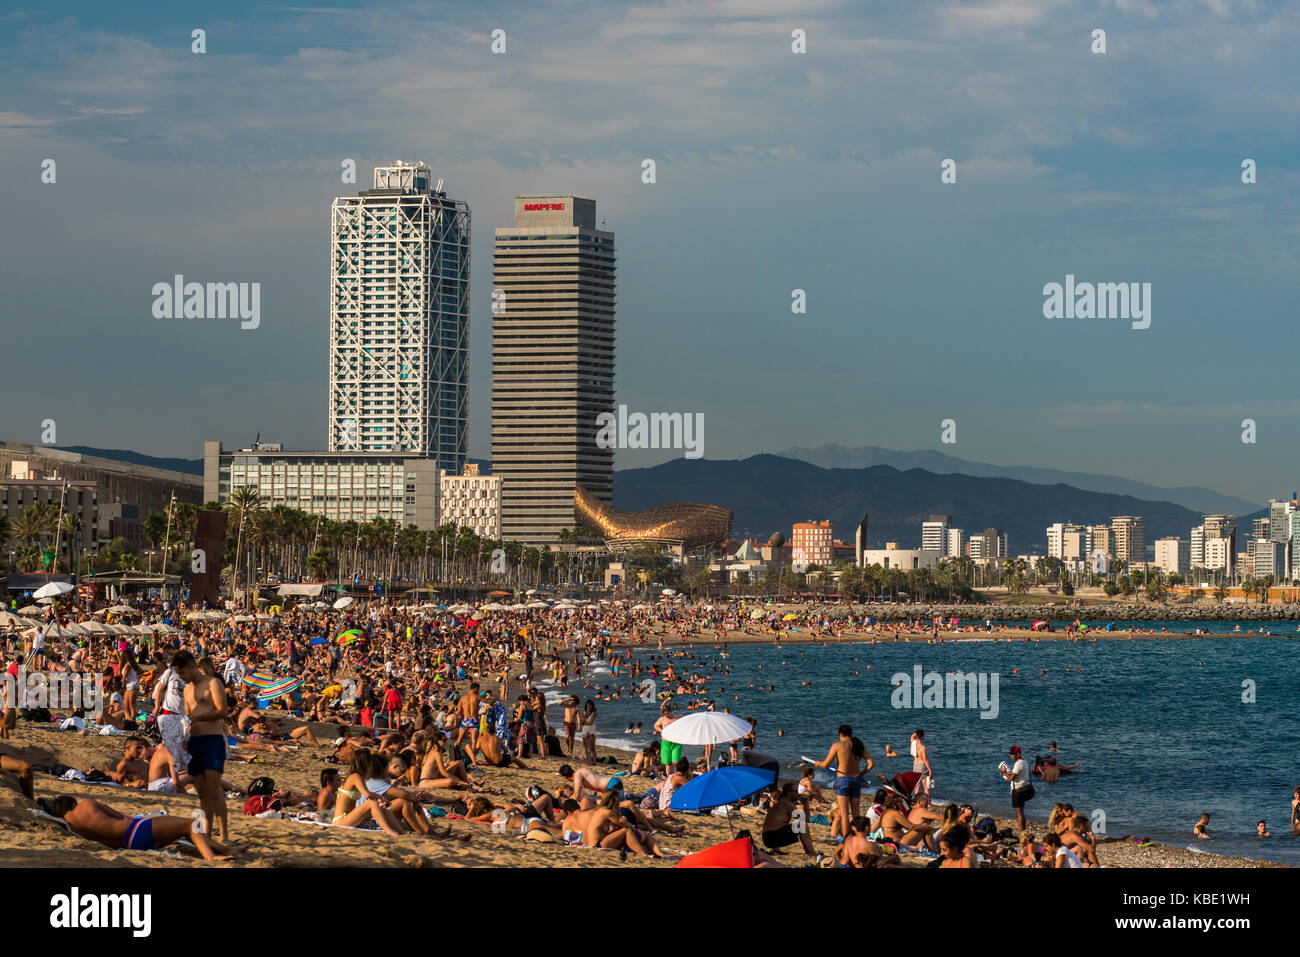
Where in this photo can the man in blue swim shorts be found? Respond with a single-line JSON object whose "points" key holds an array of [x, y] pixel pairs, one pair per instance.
{"points": [[205, 702], [108, 826]]}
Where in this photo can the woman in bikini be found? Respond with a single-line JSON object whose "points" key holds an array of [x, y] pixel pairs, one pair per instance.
{"points": [[437, 772], [953, 843], [895, 826], [355, 804]]}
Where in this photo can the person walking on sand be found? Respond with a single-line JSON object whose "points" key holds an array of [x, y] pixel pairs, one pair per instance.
{"points": [[921, 759], [1022, 788], [846, 754]]}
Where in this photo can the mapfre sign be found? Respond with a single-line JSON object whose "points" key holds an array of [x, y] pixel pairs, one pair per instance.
{"points": [[536, 207]]}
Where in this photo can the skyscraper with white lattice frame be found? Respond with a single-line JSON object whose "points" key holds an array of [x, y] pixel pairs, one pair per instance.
{"points": [[399, 318]]}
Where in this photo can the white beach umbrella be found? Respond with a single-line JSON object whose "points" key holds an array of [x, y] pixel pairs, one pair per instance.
{"points": [[707, 727], [243, 619], [52, 590], [31, 610], [669, 591], [93, 627], [344, 601], [537, 604], [10, 620], [120, 610]]}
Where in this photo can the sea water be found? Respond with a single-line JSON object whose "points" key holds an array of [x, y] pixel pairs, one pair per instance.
{"points": [[1165, 729]]}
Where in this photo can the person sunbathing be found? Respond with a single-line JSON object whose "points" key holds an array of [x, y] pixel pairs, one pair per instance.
{"points": [[895, 826], [859, 845], [133, 770], [494, 754], [603, 826], [510, 818], [954, 851], [105, 825], [437, 772], [1078, 838]]}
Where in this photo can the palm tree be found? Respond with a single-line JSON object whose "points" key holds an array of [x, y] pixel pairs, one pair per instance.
{"points": [[244, 502]]}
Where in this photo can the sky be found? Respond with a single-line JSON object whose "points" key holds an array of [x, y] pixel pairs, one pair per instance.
{"points": [[775, 171]]}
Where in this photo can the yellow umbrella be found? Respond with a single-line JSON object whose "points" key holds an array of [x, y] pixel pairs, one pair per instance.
{"points": [[790, 617]]}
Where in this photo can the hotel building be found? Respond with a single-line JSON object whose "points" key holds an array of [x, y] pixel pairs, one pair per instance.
{"points": [[471, 501], [552, 363], [399, 319], [340, 486]]}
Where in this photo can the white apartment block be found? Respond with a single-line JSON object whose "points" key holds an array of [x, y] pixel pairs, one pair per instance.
{"points": [[1218, 554], [934, 533], [1172, 556], [339, 486], [471, 501]]}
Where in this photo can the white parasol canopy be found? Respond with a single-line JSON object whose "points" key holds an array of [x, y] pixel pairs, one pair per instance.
{"points": [[344, 601], [707, 727], [52, 590]]}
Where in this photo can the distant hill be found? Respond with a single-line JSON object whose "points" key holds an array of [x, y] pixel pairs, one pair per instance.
{"points": [[769, 492], [1195, 497], [188, 466]]}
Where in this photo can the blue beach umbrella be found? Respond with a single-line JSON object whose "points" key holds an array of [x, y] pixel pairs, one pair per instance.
{"points": [[719, 787]]}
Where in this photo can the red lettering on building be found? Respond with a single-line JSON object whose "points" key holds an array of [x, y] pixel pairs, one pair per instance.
{"points": [[533, 207]]}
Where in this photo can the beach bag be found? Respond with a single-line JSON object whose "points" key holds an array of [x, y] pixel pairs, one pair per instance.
{"points": [[261, 804], [552, 748], [985, 827], [261, 787]]}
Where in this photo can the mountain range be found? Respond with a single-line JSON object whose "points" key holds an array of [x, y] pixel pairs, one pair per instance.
{"points": [[1198, 499], [769, 492], [899, 490]]}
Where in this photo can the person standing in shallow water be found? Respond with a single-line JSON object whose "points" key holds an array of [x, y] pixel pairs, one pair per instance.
{"points": [[847, 755]]}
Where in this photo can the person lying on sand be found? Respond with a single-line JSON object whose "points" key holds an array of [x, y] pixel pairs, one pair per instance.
{"points": [[603, 826], [99, 822], [585, 779], [510, 818]]}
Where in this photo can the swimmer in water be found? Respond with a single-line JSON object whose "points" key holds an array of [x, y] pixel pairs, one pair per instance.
{"points": [[1202, 828], [890, 752]]}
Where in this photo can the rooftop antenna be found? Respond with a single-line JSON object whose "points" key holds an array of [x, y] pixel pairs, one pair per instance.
{"points": [[438, 188]]}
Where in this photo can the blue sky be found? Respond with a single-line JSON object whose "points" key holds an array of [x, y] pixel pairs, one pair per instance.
{"points": [[776, 171]]}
